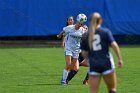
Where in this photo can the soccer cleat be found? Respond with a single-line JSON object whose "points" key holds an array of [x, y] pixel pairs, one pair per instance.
{"points": [[85, 82], [63, 83]]}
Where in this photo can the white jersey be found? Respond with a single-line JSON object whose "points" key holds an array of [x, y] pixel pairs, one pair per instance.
{"points": [[73, 38]]}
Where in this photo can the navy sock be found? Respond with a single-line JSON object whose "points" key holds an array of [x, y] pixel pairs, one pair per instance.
{"points": [[71, 74], [86, 78], [112, 91]]}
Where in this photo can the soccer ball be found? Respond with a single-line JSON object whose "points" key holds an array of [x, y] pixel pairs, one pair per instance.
{"points": [[81, 18]]}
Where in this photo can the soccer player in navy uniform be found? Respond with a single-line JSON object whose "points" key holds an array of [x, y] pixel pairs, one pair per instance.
{"points": [[95, 47]]}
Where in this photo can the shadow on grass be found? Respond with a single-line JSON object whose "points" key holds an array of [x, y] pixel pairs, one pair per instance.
{"points": [[50, 84]]}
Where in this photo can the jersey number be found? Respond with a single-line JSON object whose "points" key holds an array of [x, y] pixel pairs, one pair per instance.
{"points": [[96, 44]]}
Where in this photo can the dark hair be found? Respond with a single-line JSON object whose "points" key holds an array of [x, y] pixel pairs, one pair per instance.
{"points": [[68, 19]]}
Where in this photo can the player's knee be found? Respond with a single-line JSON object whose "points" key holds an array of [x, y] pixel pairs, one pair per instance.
{"points": [[76, 67], [68, 67]]}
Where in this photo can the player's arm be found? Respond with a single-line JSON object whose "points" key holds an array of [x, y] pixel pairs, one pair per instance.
{"points": [[60, 34], [117, 52], [63, 41], [115, 47]]}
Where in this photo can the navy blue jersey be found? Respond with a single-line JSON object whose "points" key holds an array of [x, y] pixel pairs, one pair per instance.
{"points": [[102, 40], [99, 54], [84, 42]]}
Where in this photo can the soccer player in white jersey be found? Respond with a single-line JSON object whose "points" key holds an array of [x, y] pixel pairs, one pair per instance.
{"points": [[73, 35], [81, 62]]}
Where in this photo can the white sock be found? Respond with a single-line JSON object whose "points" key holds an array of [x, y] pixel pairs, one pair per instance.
{"points": [[65, 74]]}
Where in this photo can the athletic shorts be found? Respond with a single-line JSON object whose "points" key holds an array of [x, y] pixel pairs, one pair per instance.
{"points": [[101, 68], [70, 53]]}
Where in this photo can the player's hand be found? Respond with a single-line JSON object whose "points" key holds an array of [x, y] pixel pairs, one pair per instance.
{"points": [[58, 36], [120, 63]]}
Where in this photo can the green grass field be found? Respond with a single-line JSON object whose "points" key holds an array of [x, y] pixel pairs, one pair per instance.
{"points": [[38, 70]]}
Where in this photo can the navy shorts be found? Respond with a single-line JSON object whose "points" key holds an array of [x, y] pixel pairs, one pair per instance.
{"points": [[101, 67]]}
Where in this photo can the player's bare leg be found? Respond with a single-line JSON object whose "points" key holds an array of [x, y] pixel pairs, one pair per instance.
{"points": [[66, 70], [110, 81], [94, 83]]}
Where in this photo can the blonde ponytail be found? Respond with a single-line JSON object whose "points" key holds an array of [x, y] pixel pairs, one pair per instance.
{"points": [[94, 22], [92, 29]]}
